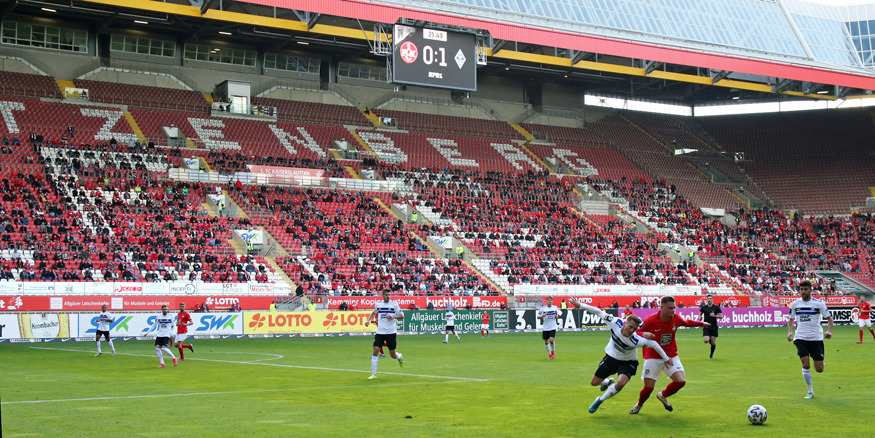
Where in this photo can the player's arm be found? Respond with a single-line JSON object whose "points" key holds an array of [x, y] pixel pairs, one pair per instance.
{"points": [[790, 320], [694, 323], [399, 314], [152, 328], [829, 322], [590, 309], [719, 314], [371, 317]]}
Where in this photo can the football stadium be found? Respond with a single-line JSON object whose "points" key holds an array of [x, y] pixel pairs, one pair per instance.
{"points": [[428, 218]]}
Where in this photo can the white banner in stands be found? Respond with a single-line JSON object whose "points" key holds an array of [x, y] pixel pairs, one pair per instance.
{"points": [[217, 198], [222, 289], [38, 288], [260, 289], [10, 287], [254, 236], [74, 288], [181, 288], [444, 241], [713, 211], [618, 289], [191, 163], [149, 288]]}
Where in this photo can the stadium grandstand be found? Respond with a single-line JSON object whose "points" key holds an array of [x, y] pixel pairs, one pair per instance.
{"points": [[302, 150]]}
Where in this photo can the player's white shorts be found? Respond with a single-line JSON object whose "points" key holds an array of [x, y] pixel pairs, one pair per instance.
{"points": [[484, 326], [652, 368], [865, 322], [179, 337]]}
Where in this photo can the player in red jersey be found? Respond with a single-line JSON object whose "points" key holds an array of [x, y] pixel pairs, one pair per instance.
{"points": [[183, 320], [484, 328], [663, 326], [864, 319]]}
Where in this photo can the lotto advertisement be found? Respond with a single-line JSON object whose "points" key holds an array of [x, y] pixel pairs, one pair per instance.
{"points": [[274, 323]]}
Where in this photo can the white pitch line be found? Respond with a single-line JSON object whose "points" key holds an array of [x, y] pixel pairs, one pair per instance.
{"points": [[209, 393], [467, 379]]}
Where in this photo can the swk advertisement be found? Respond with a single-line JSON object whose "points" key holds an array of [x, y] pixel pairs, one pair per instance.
{"points": [[136, 324], [264, 323]]}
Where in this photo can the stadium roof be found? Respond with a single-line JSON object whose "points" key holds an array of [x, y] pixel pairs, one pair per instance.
{"points": [[681, 50]]}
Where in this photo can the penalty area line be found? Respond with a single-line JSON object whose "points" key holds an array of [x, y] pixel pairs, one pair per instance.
{"points": [[187, 394], [466, 379]]}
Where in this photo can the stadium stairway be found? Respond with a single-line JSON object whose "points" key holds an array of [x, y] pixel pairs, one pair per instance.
{"points": [[209, 98], [209, 209], [240, 212], [136, 127], [277, 269], [529, 137], [62, 84], [372, 117], [352, 172], [482, 276], [363, 143], [644, 131], [536, 158]]}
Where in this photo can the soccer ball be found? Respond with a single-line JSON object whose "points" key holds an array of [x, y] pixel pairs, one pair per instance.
{"points": [[757, 414]]}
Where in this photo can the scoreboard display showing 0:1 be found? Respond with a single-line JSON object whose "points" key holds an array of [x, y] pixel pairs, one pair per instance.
{"points": [[434, 58]]}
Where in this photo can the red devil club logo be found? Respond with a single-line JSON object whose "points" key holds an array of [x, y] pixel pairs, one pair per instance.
{"points": [[408, 52]]}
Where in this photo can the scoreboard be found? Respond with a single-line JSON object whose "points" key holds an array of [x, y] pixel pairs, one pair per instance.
{"points": [[434, 58]]}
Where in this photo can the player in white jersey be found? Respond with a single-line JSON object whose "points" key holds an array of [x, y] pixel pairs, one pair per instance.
{"points": [[549, 314], [103, 321], [385, 313], [450, 325], [164, 326], [807, 313], [621, 354]]}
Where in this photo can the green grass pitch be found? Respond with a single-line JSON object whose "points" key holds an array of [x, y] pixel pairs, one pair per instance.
{"points": [[497, 387]]}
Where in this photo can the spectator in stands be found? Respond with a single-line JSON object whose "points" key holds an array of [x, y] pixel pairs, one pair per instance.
{"points": [[343, 306]]}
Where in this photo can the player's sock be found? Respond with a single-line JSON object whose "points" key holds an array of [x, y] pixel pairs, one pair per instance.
{"points": [[547, 346], [112, 347], [457, 337], [644, 395], [672, 388], [447, 337], [160, 356], [553, 346], [806, 376], [873, 333], [168, 352], [861, 339], [610, 392], [181, 355], [374, 361], [712, 350], [98, 342]]}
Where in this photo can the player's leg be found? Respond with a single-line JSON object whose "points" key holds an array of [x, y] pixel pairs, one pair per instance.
{"points": [[99, 352], [109, 341], [607, 367], [167, 351], [546, 337], [158, 353], [713, 345], [804, 357], [375, 358], [391, 343], [446, 335], [553, 345], [859, 322], [458, 339], [652, 370]]}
